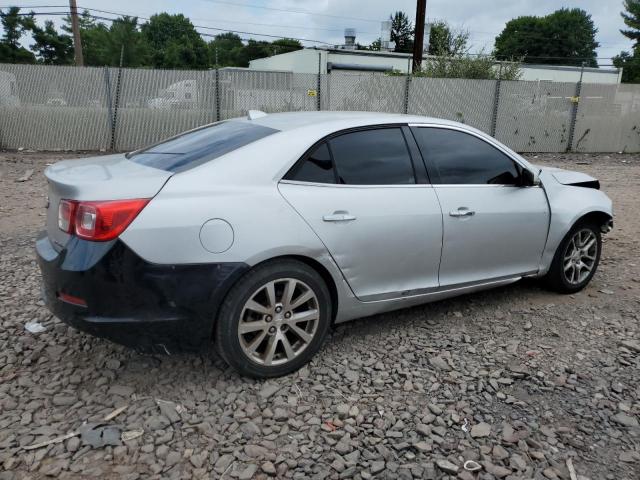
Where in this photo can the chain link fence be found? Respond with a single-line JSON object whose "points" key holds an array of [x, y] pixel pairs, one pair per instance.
{"points": [[68, 108]]}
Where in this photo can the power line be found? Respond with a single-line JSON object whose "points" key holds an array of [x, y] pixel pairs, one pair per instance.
{"points": [[298, 11]]}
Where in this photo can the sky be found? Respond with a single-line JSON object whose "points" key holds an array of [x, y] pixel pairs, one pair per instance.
{"points": [[325, 20]]}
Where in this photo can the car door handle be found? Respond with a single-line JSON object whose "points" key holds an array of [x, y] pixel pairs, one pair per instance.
{"points": [[462, 212], [339, 216]]}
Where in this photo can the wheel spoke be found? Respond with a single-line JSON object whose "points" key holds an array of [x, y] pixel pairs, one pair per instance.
{"points": [[271, 293], [306, 337], [588, 246], [289, 288], [257, 307], [248, 327], [288, 349], [270, 351], [256, 342], [303, 316], [305, 297]]}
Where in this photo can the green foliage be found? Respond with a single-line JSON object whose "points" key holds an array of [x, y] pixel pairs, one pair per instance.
{"points": [[630, 63], [443, 41], [564, 37], [465, 66], [174, 42], [632, 20], [14, 26], [94, 37], [125, 38], [225, 49], [51, 47], [401, 32]]}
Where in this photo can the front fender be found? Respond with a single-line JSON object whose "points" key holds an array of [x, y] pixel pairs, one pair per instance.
{"points": [[568, 204]]}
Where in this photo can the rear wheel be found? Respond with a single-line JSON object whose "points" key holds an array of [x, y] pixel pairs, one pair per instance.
{"points": [[576, 260], [274, 320]]}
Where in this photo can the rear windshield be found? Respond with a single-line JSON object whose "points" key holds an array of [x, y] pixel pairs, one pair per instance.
{"points": [[199, 146]]}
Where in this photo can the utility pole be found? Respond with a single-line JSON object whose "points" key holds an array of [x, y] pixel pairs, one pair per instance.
{"points": [[419, 36], [77, 42]]}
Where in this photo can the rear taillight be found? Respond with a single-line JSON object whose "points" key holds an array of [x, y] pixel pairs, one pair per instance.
{"points": [[66, 212], [98, 221]]}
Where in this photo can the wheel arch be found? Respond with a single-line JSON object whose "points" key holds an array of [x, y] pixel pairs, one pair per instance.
{"points": [[311, 263], [603, 219]]}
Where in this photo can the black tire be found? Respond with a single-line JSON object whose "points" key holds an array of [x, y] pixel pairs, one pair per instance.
{"points": [[227, 340], [556, 279]]}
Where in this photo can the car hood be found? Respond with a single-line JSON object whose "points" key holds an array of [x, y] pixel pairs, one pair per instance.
{"points": [[568, 177]]}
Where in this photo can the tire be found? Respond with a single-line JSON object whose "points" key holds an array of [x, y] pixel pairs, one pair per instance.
{"points": [[283, 340], [556, 279]]}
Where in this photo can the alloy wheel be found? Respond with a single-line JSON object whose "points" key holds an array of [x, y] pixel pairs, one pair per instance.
{"points": [[279, 321], [580, 256]]}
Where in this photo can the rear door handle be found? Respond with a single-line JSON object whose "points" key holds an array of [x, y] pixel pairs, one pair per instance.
{"points": [[462, 212], [339, 216]]}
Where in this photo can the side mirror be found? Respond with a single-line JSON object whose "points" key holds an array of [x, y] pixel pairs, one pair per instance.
{"points": [[529, 178]]}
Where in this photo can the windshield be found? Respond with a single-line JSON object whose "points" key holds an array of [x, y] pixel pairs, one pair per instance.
{"points": [[198, 146]]}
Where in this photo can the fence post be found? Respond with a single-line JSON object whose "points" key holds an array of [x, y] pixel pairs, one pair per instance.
{"points": [[319, 82], [217, 95], [407, 85], [496, 103], [574, 111], [114, 123], [107, 84]]}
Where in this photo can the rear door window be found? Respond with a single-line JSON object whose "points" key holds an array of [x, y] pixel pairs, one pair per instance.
{"points": [[199, 146], [317, 167], [372, 157]]}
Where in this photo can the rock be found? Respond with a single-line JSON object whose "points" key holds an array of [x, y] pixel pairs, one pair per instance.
{"points": [[624, 419], [255, 451], [268, 390], [268, 468], [499, 453], [63, 400], [168, 409], [223, 463], [633, 345], [73, 444], [342, 410], [247, 473], [121, 390], [422, 446], [439, 363], [172, 459], [480, 430], [249, 430], [377, 466], [446, 466]]}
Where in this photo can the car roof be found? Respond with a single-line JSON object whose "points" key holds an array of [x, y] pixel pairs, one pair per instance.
{"points": [[294, 120]]}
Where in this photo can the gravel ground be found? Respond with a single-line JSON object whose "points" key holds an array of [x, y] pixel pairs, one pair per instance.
{"points": [[523, 381]]}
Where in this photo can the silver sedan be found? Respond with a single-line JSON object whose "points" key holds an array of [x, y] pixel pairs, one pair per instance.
{"points": [[257, 234]]}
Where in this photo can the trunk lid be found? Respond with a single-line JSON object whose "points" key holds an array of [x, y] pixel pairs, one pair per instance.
{"points": [[108, 177]]}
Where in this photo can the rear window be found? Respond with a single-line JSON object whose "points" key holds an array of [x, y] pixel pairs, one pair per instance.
{"points": [[199, 146]]}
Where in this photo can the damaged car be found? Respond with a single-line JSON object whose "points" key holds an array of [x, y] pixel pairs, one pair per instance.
{"points": [[257, 234]]}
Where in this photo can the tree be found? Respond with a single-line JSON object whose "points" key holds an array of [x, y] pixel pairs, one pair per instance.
{"points": [[125, 39], [630, 62], [94, 37], [285, 45], [252, 50], [51, 47], [401, 32], [443, 41], [14, 26], [174, 42], [564, 37], [632, 20], [630, 65], [467, 66], [225, 50]]}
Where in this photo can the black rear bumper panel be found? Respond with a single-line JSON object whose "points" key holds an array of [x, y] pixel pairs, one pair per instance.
{"points": [[149, 307]]}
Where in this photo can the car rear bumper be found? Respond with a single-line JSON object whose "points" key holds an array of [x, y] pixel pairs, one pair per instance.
{"points": [[146, 306]]}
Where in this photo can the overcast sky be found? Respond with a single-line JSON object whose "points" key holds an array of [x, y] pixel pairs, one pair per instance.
{"points": [[325, 20]]}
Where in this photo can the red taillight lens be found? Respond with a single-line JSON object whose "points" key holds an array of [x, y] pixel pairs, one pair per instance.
{"points": [[101, 221]]}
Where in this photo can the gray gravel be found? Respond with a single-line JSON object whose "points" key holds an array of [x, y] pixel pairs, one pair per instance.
{"points": [[516, 379]]}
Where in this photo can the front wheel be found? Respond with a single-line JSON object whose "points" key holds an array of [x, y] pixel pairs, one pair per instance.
{"points": [[274, 319], [576, 260]]}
